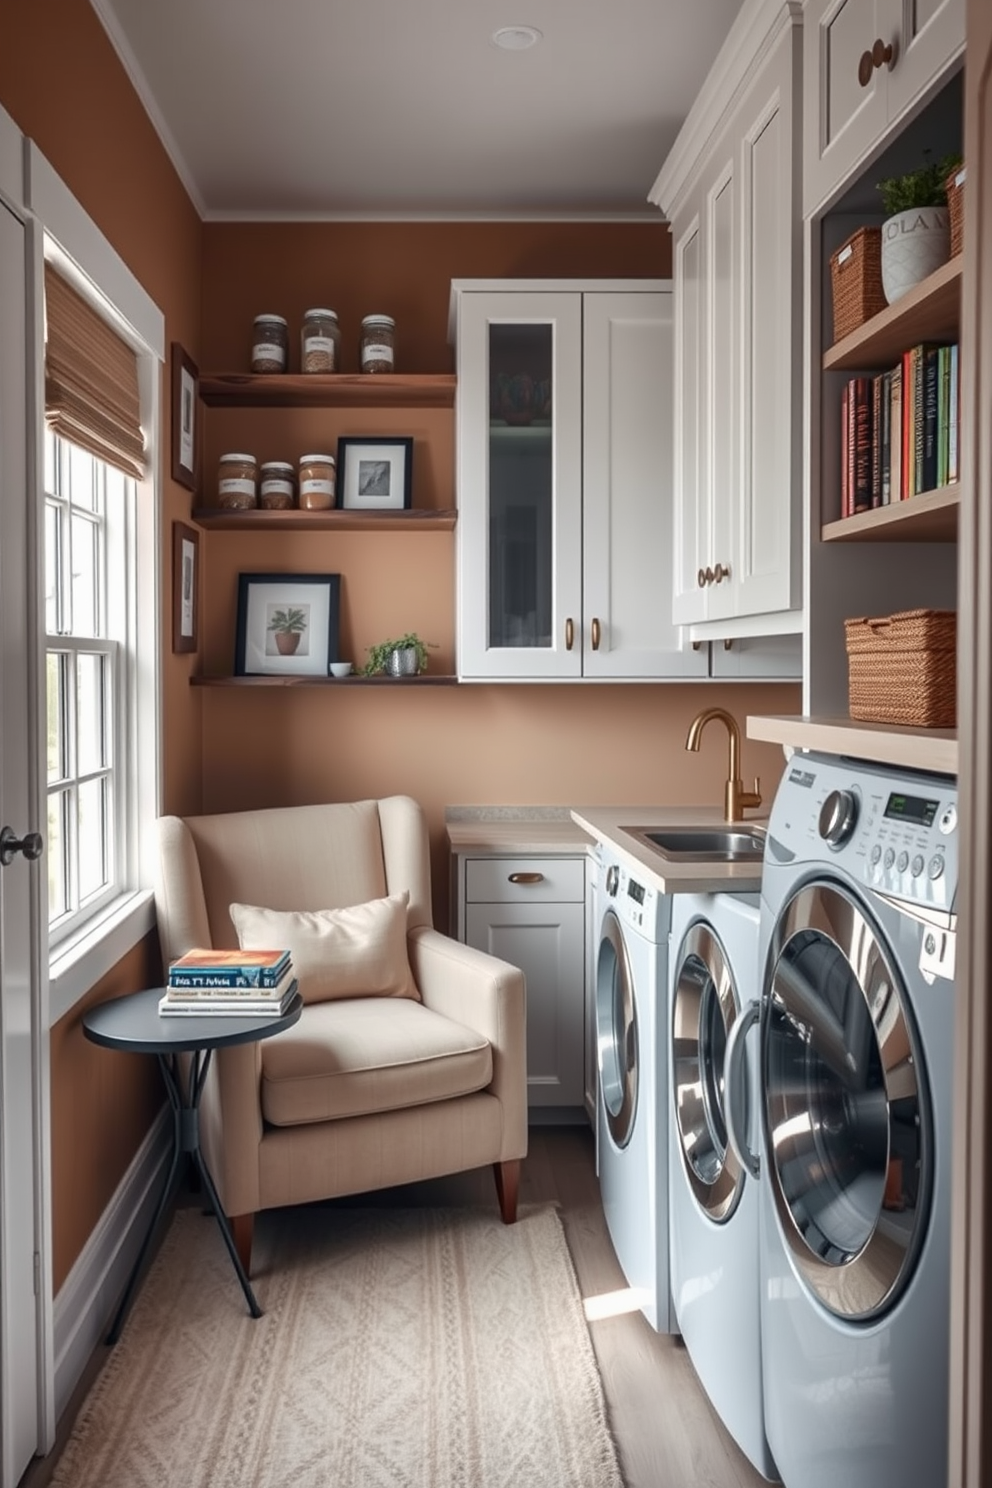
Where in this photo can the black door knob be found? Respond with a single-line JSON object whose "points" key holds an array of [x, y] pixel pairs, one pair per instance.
{"points": [[30, 845]]}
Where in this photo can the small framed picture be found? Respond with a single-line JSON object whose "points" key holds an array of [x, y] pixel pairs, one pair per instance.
{"points": [[375, 474], [185, 587], [287, 624], [185, 379]]}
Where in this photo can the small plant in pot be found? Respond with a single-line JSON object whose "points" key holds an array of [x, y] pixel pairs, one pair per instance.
{"points": [[405, 656], [916, 235], [287, 626]]}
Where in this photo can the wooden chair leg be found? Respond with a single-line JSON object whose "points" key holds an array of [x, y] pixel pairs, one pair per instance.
{"points": [[242, 1229], [507, 1176]]}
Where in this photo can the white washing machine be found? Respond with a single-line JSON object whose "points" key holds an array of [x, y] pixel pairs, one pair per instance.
{"points": [[713, 1202], [856, 1061], [632, 1099]]}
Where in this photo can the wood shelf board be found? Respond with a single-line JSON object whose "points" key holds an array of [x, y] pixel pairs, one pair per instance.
{"points": [[330, 390], [889, 744], [427, 679], [931, 311], [255, 520], [930, 517]]}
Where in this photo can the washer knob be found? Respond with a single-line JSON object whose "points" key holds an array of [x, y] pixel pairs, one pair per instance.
{"points": [[838, 816], [612, 880]]}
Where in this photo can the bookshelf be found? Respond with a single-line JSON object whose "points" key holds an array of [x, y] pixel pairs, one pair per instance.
{"points": [[221, 519], [930, 517], [330, 390]]}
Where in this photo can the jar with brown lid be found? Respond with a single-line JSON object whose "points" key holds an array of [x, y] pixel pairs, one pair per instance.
{"points": [[317, 482], [320, 341], [378, 343], [270, 344], [275, 487], [237, 478]]}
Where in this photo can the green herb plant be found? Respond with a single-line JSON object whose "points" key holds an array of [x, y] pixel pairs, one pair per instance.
{"points": [[924, 187], [288, 621], [379, 655]]}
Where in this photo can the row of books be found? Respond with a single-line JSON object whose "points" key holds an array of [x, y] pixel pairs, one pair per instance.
{"points": [[215, 983], [899, 429]]}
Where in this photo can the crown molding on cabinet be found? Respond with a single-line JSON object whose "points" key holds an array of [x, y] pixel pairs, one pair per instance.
{"points": [[754, 33]]}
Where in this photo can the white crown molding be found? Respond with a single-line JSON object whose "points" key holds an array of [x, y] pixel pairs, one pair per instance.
{"points": [[139, 82], [755, 31], [482, 215]]}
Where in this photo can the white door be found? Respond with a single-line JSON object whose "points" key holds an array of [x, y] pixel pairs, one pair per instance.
{"points": [[21, 897], [844, 115]]}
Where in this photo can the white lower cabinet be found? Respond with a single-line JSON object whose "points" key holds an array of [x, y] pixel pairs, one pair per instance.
{"points": [[532, 913]]}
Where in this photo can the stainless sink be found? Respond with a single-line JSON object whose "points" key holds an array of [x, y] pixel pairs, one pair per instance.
{"points": [[729, 844]]}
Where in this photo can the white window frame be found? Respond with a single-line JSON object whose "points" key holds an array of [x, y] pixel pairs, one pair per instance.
{"points": [[74, 245]]}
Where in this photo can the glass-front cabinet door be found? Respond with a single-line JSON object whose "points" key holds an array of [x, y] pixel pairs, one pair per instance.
{"points": [[520, 484]]}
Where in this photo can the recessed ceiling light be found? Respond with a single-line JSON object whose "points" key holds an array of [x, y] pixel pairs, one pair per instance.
{"points": [[517, 38]]}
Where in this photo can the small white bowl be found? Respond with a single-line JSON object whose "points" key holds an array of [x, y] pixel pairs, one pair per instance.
{"points": [[340, 668]]}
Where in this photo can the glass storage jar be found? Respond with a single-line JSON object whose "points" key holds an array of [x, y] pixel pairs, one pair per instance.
{"points": [[378, 343], [270, 344], [320, 341], [317, 482], [275, 485], [237, 481]]}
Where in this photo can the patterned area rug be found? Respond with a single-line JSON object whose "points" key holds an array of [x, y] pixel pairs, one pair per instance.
{"points": [[410, 1348]]}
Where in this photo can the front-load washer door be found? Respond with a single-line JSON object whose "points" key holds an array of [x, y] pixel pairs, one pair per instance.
{"points": [[704, 1006], [846, 1115], [616, 1032]]}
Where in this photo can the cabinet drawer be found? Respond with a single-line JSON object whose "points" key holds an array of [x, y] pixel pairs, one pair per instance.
{"points": [[491, 880]]}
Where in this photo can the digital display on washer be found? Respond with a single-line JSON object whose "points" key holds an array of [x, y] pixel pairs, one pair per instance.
{"points": [[913, 809], [635, 891]]}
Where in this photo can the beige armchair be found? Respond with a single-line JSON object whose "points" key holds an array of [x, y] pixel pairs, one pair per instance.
{"points": [[363, 1092]]}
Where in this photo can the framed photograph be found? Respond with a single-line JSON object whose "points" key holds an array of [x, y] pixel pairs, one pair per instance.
{"points": [[185, 587], [374, 474], [287, 624], [184, 431]]}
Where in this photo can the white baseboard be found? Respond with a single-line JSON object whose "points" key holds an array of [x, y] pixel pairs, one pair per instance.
{"points": [[82, 1308]]}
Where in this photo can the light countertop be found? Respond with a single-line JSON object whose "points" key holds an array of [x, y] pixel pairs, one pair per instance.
{"points": [[607, 824], [514, 829]]}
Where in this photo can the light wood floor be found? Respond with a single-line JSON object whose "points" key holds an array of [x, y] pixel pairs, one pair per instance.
{"points": [[667, 1433]]}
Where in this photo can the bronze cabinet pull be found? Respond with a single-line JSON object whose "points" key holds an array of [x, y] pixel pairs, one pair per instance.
{"points": [[525, 878], [569, 634], [596, 634], [880, 56], [720, 573]]}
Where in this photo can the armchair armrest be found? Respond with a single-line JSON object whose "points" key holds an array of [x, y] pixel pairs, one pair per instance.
{"points": [[489, 996]]}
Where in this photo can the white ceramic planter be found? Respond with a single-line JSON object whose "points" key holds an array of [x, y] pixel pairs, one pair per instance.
{"points": [[914, 244]]}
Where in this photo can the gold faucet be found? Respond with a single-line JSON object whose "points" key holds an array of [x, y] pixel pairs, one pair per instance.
{"points": [[735, 797]]}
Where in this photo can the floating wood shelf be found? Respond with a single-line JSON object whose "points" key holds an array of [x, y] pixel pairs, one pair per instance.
{"points": [[889, 744], [330, 390], [425, 679], [931, 311], [930, 517], [223, 519]]}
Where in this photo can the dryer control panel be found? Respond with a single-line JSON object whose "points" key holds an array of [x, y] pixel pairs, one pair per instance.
{"points": [[894, 831], [636, 903]]}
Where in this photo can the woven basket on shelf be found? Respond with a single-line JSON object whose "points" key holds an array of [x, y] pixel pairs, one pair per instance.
{"points": [[856, 280], [902, 668], [955, 207]]}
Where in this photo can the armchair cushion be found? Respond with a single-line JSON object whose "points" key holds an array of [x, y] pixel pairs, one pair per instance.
{"points": [[351, 1057], [359, 951]]}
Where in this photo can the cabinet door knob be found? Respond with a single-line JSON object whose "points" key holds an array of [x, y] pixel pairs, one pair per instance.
{"points": [[569, 634], [525, 878], [701, 578], [720, 573], [880, 56], [596, 634]]}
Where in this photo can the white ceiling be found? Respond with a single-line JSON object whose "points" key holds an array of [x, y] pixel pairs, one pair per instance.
{"points": [[338, 108]]}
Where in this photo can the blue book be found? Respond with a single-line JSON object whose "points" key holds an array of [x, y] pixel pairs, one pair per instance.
{"points": [[228, 968]]}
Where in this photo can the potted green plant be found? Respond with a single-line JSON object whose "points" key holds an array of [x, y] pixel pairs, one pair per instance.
{"points": [[916, 232], [287, 625], [404, 656]]}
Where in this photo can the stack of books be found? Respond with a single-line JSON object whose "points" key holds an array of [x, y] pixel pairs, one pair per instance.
{"points": [[899, 430], [238, 983]]}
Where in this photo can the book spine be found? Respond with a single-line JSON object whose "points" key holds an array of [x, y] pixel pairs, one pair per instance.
{"points": [[943, 411], [907, 425], [952, 421], [252, 978], [918, 414], [895, 441], [876, 440], [845, 480], [885, 439], [928, 466], [862, 444]]}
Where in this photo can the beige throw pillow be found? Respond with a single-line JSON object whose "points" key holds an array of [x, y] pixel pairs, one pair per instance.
{"points": [[355, 952]]}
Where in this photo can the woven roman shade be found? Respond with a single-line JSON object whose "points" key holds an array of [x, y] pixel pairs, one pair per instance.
{"points": [[91, 380]]}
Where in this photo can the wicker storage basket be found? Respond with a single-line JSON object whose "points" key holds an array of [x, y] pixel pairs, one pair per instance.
{"points": [[955, 208], [902, 668], [856, 280]]}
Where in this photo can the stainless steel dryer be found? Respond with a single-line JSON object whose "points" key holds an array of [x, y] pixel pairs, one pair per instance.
{"points": [[857, 1026]]}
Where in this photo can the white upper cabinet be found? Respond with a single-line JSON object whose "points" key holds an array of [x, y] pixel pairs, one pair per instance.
{"points": [[731, 192], [868, 64], [564, 482]]}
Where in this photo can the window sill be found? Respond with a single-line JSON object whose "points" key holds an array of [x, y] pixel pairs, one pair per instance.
{"points": [[80, 963]]}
